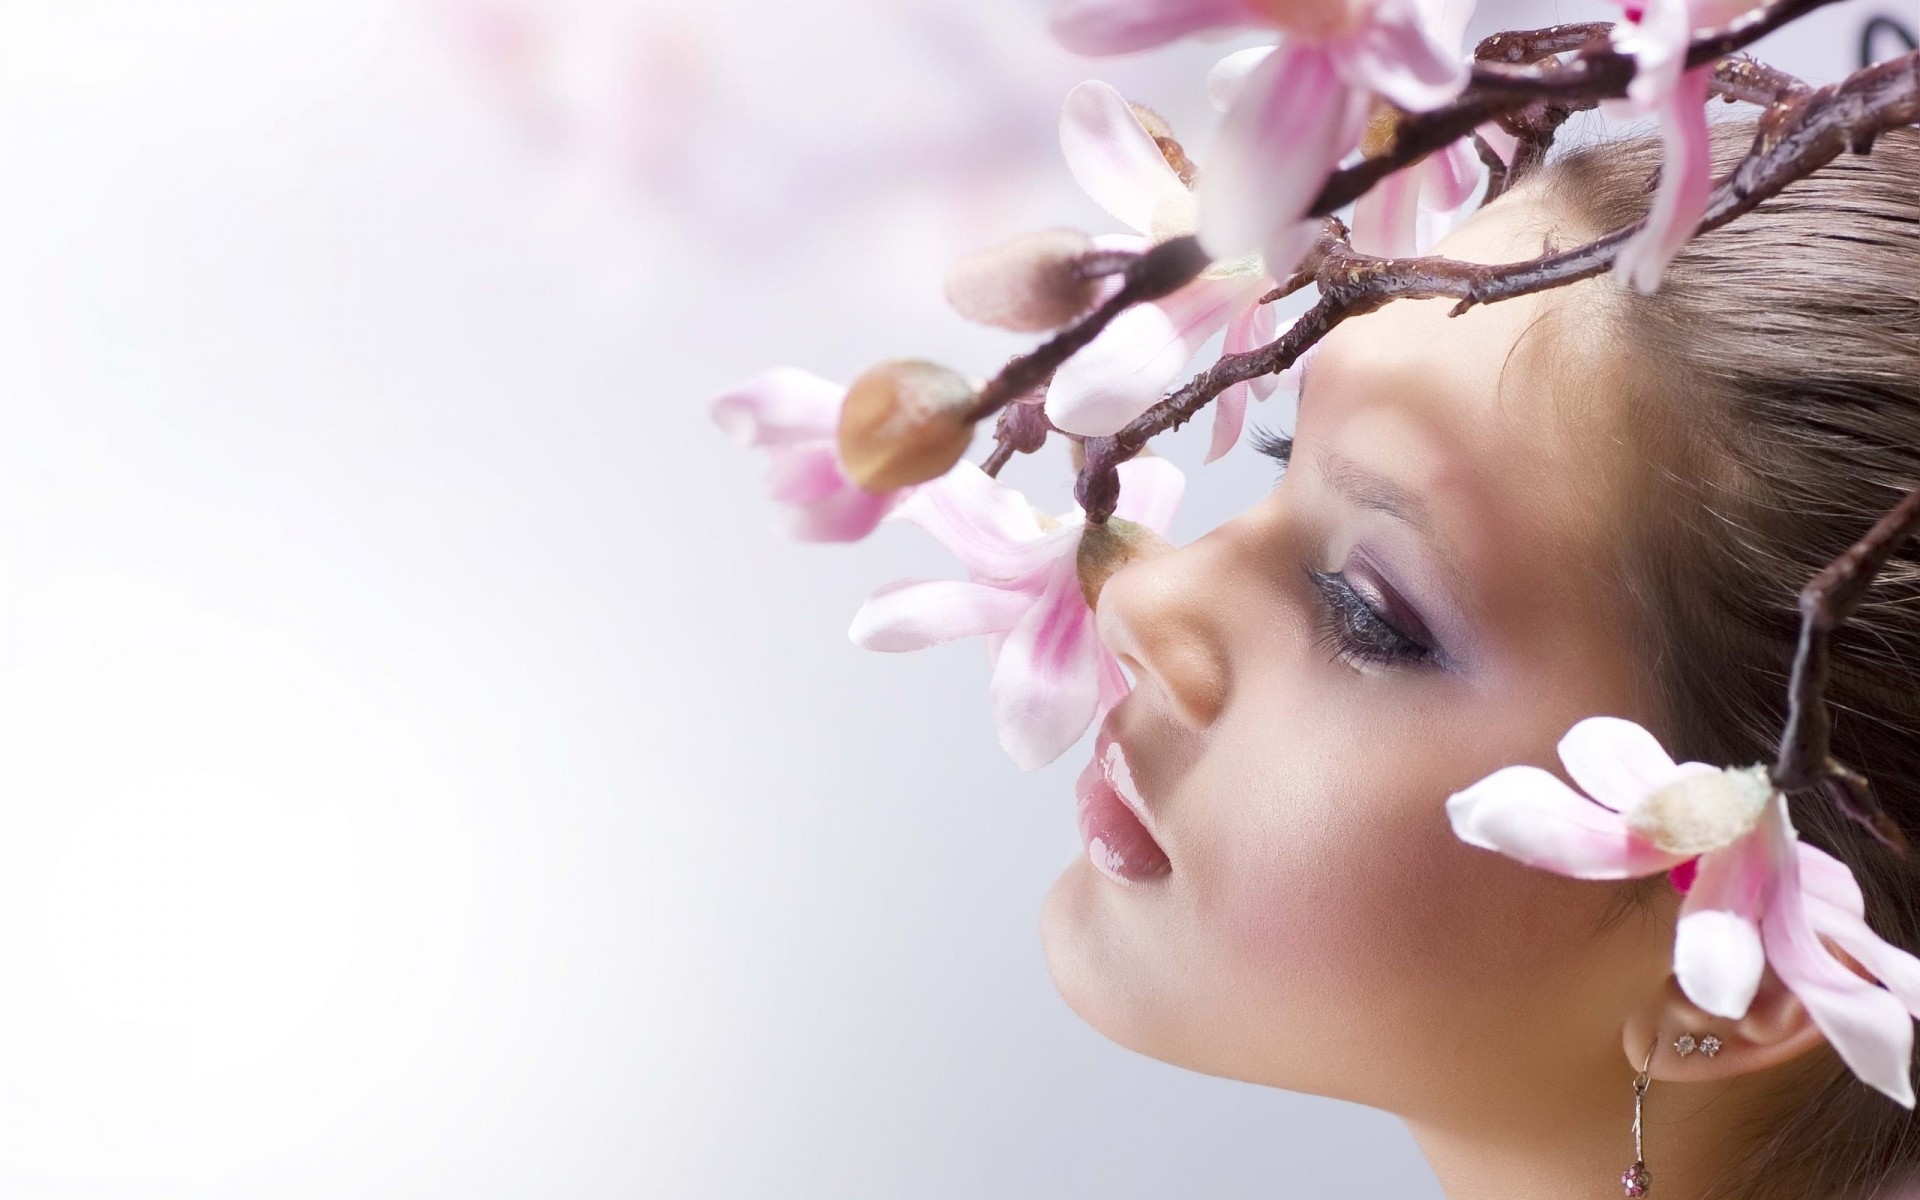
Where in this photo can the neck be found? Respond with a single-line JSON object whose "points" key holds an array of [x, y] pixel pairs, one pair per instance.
{"points": [[1575, 1147]]}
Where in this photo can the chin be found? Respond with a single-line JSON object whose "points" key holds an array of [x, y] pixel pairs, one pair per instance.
{"points": [[1098, 964]]}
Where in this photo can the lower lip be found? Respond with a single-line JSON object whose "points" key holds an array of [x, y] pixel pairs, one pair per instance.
{"points": [[1117, 843]]}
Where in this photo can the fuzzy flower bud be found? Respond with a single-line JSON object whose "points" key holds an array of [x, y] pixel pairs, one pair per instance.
{"points": [[1698, 813], [904, 422], [1031, 283], [1107, 546]]}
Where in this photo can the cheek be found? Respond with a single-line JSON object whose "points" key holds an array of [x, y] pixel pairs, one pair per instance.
{"points": [[1333, 881]]}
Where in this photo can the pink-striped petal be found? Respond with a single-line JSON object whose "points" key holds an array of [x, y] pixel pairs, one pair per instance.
{"points": [[1252, 328], [1046, 682], [1717, 954], [1867, 1025], [777, 407], [1827, 879], [1150, 491], [845, 516], [1528, 814], [1133, 362], [804, 472], [1502, 142], [1293, 120], [1686, 181], [1449, 178], [1898, 970], [912, 614], [1113, 157], [1113, 684], [1121, 26], [1658, 43], [1384, 220], [990, 527], [1399, 54], [1615, 761]]}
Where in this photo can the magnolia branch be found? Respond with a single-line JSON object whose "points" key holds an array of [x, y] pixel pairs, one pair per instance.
{"points": [[1802, 131], [1517, 80]]}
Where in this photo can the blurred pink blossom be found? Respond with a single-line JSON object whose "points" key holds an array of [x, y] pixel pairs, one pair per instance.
{"points": [[1133, 362], [795, 416], [1292, 113]]}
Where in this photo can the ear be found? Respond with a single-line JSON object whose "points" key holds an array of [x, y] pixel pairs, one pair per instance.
{"points": [[1776, 1030]]}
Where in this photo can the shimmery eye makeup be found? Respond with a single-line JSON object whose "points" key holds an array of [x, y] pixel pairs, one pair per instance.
{"points": [[1360, 618], [1357, 631]]}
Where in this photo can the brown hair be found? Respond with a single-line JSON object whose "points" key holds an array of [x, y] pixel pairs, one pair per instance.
{"points": [[1775, 376]]}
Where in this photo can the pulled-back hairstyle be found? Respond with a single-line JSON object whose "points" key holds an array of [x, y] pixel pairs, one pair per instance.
{"points": [[1774, 380]]}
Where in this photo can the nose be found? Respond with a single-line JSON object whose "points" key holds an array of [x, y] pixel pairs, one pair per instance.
{"points": [[1162, 616]]}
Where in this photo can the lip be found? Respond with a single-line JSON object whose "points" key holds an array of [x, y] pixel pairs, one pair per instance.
{"points": [[1114, 822]]}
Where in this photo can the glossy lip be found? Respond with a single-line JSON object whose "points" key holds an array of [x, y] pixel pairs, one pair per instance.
{"points": [[1112, 757], [1124, 846]]}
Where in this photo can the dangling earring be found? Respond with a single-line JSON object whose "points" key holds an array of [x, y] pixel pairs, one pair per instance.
{"points": [[1636, 1180]]}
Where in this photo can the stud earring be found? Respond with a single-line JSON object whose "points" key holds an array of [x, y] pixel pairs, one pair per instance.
{"points": [[1636, 1180], [1685, 1045]]}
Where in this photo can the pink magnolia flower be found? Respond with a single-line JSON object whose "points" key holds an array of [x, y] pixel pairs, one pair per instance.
{"points": [[1052, 676], [1137, 358], [1408, 211], [1755, 894], [1295, 114], [1656, 36], [795, 416]]}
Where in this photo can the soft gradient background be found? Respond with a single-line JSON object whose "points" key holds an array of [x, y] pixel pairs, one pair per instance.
{"points": [[422, 773]]}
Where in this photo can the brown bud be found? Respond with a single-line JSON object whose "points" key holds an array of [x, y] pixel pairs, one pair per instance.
{"points": [[904, 422], [1383, 129], [1029, 284], [1109, 545], [1170, 148]]}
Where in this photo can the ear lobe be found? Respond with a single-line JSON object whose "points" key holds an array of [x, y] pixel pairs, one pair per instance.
{"points": [[1776, 1029]]}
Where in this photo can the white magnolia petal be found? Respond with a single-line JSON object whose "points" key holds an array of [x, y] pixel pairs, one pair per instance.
{"points": [[1291, 123], [912, 614], [1528, 814], [1114, 159], [1136, 358], [1150, 491], [779, 407], [1867, 1025], [1717, 954], [1615, 761], [1399, 56], [1230, 73]]}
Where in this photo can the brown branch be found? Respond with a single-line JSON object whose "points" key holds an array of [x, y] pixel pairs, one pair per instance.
{"points": [[1827, 600], [1793, 139], [1535, 97], [1164, 268], [1801, 131]]}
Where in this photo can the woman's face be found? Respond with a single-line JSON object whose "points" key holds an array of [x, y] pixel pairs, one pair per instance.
{"points": [[1321, 928]]}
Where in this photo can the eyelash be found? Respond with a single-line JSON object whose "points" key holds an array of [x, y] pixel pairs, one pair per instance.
{"points": [[1353, 630], [1347, 624]]}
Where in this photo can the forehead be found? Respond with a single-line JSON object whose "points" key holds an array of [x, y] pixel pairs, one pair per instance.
{"points": [[1499, 419]]}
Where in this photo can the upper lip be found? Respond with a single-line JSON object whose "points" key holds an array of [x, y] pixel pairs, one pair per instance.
{"points": [[1126, 780]]}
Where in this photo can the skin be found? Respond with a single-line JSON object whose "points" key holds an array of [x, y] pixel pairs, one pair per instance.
{"points": [[1322, 929]]}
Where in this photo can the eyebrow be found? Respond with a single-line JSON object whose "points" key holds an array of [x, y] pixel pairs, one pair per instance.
{"points": [[1365, 489]]}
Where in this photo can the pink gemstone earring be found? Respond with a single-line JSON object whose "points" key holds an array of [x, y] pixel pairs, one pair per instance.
{"points": [[1636, 1180]]}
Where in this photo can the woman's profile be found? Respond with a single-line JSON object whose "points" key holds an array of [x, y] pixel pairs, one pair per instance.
{"points": [[1494, 771], [1490, 526]]}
